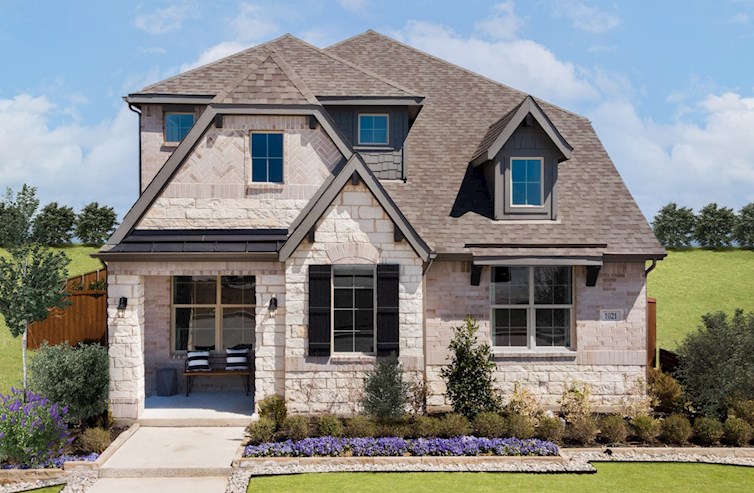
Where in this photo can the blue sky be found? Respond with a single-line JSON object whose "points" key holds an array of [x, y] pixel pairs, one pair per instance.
{"points": [[669, 85]]}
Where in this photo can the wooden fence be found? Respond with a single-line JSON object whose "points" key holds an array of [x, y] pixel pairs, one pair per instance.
{"points": [[651, 332], [85, 319]]}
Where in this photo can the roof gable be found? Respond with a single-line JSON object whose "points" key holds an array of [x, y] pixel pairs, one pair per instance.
{"points": [[500, 131]]}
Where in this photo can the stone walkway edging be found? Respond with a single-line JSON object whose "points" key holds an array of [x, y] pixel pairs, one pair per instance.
{"points": [[740, 452]]}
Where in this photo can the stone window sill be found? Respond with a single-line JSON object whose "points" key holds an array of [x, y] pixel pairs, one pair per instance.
{"points": [[502, 353], [353, 358]]}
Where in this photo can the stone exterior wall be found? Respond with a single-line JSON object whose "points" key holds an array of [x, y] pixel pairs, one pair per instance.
{"points": [[609, 355], [213, 189], [353, 230]]}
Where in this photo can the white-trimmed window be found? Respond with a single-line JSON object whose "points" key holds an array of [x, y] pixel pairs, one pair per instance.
{"points": [[532, 307], [211, 312], [354, 309], [526, 182], [373, 129], [266, 157], [177, 125]]}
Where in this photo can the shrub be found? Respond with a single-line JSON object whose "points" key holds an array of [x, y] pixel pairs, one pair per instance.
{"points": [[636, 401], [715, 363], [261, 430], [708, 431], [550, 428], [394, 429], [519, 426], [469, 377], [744, 230], [645, 428], [742, 409], [273, 407], [737, 432], [675, 429], [453, 425], [714, 226], [425, 427], [360, 426], [330, 426], [385, 392], [75, 377], [295, 428], [574, 404], [94, 440], [95, 224], [674, 226], [613, 429], [665, 391], [418, 392], [490, 425], [582, 430], [524, 402], [54, 225], [32, 428]]}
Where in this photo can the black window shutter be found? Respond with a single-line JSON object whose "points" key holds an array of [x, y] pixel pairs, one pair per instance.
{"points": [[319, 310], [387, 309]]}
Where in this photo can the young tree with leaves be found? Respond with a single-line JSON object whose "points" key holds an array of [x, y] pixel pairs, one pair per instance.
{"points": [[714, 226], [95, 224], [54, 225], [16, 216], [674, 226]]}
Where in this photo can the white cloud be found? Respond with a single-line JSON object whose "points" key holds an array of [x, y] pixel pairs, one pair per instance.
{"points": [[503, 24], [740, 18], [214, 53], [70, 163], [166, 19], [586, 17]]}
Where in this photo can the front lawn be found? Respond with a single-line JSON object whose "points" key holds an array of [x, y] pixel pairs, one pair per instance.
{"points": [[611, 477]]}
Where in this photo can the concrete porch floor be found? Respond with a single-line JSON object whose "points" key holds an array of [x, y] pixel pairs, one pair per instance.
{"points": [[201, 408]]}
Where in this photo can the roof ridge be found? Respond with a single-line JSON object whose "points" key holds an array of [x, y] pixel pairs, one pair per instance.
{"points": [[210, 64], [463, 69], [297, 81], [382, 79]]}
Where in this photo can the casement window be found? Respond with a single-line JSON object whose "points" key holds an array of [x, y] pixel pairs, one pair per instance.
{"points": [[177, 125], [526, 182], [532, 307], [211, 312], [353, 309], [266, 157], [373, 129]]}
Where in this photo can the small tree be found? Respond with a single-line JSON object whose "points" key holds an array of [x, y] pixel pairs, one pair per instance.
{"points": [[95, 224], [744, 230], [674, 226], [54, 225], [16, 215], [469, 376], [385, 392], [714, 226], [31, 283]]}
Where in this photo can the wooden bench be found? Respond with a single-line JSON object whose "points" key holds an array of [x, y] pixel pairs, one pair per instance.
{"points": [[215, 372]]}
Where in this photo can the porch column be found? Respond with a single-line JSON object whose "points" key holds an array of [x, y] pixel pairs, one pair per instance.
{"points": [[126, 338]]}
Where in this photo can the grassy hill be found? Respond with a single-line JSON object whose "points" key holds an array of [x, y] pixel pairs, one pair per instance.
{"points": [[10, 348], [690, 283]]}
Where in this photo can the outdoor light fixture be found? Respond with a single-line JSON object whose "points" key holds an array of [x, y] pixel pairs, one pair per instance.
{"points": [[122, 304], [273, 306]]}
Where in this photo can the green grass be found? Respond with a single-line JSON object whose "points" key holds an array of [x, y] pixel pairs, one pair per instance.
{"points": [[690, 283], [10, 348], [49, 489], [611, 477]]}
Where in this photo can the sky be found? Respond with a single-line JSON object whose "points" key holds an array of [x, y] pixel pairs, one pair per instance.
{"points": [[668, 85]]}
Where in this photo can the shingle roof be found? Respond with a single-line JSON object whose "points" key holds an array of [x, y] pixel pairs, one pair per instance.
{"points": [[594, 205], [494, 131], [324, 73]]}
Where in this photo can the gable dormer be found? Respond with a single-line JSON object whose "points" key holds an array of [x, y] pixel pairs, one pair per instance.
{"points": [[519, 158]]}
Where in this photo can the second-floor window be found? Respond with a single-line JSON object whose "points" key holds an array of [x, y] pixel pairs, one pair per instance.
{"points": [[373, 129], [526, 182], [177, 125], [267, 157]]}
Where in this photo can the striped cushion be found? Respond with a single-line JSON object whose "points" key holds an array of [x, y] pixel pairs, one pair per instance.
{"points": [[236, 359], [197, 361]]}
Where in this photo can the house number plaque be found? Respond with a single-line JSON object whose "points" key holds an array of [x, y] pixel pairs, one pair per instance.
{"points": [[611, 315]]}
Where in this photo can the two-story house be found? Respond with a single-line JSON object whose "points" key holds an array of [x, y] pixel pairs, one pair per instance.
{"points": [[329, 206]]}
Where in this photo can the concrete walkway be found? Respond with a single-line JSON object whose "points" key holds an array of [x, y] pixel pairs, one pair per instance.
{"points": [[171, 459]]}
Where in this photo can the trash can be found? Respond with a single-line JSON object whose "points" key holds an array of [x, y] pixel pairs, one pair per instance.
{"points": [[167, 382]]}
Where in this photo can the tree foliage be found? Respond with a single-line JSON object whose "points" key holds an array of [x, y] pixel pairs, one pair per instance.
{"points": [[95, 223], [716, 365], [16, 216], [714, 226], [54, 225], [674, 226], [469, 377], [743, 233], [385, 391]]}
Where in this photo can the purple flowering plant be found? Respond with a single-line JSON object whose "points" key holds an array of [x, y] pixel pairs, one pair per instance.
{"points": [[393, 446], [33, 430]]}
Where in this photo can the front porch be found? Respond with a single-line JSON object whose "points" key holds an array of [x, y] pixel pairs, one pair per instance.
{"points": [[201, 408]]}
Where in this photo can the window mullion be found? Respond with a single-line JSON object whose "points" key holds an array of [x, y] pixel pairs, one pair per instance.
{"points": [[218, 315]]}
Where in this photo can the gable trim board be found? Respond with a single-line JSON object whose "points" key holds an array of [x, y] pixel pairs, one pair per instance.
{"points": [[528, 107], [174, 162]]}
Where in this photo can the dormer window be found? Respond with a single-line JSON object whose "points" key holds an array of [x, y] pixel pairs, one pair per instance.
{"points": [[373, 129], [177, 125], [527, 185]]}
